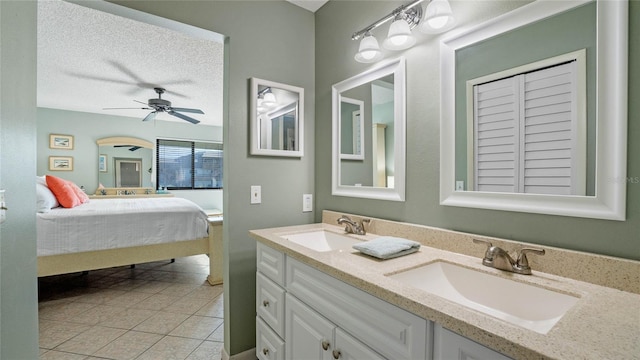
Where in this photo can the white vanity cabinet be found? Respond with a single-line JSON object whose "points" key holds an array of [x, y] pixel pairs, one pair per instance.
{"points": [[448, 345], [303, 313], [270, 304], [311, 336]]}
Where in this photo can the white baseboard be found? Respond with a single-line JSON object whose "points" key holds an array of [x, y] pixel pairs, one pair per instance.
{"points": [[245, 355]]}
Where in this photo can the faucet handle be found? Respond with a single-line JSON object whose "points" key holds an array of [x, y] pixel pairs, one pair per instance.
{"points": [[522, 260]]}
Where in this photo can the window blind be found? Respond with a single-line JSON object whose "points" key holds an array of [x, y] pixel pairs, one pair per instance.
{"points": [[188, 165]]}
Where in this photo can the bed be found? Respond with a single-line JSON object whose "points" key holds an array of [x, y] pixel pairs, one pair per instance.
{"points": [[104, 233]]}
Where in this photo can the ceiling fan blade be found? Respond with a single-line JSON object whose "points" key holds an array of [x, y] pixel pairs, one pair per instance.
{"points": [[195, 111], [134, 148], [183, 117], [151, 116], [127, 109]]}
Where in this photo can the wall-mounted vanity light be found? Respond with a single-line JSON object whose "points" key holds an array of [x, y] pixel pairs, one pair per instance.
{"points": [[266, 99], [437, 18]]}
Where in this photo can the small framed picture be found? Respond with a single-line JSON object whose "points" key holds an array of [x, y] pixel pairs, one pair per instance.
{"points": [[60, 163], [102, 163], [57, 141]]}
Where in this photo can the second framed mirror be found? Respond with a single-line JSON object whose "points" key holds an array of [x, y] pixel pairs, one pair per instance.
{"points": [[369, 133]]}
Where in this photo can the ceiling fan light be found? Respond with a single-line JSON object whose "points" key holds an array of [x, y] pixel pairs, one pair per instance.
{"points": [[438, 18], [369, 50], [399, 36]]}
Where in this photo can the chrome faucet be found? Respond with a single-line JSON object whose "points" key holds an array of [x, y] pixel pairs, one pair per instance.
{"points": [[498, 258], [353, 227]]}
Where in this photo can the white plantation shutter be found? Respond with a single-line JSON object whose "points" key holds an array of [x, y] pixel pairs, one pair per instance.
{"points": [[497, 128], [526, 133]]}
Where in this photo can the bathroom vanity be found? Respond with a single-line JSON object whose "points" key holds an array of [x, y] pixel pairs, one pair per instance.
{"points": [[345, 305]]}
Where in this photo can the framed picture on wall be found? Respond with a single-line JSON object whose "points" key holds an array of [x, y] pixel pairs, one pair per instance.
{"points": [[60, 163], [102, 163], [57, 141]]}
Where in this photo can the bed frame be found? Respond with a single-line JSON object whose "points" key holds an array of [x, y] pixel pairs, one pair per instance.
{"points": [[100, 259]]}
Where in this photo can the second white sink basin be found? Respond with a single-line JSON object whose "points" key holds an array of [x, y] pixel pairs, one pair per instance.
{"points": [[522, 304], [321, 240]]}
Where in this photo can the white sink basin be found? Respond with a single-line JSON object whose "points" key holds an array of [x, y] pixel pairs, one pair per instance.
{"points": [[521, 304], [321, 240]]}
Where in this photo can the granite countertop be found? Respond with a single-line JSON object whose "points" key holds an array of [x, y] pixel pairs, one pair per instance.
{"points": [[603, 324]]}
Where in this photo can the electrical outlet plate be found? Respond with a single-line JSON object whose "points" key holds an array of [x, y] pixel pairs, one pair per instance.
{"points": [[307, 202]]}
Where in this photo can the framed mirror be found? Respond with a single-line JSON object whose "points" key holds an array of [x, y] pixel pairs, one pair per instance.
{"points": [[277, 119], [542, 163], [125, 162], [368, 131]]}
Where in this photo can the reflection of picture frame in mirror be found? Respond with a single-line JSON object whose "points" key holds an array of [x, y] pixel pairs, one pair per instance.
{"points": [[102, 163], [352, 139], [57, 141], [60, 163]]}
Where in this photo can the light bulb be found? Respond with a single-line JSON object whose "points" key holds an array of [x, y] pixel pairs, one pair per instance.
{"points": [[369, 50], [399, 37]]}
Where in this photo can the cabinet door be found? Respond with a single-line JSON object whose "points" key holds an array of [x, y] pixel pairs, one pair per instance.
{"points": [[308, 334], [348, 348], [448, 345], [269, 346]]}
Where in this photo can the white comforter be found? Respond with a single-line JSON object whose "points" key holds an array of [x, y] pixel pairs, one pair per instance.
{"points": [[115, 223]]}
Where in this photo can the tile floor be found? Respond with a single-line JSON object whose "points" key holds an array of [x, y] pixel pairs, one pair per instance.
{"points": [[157, 311]]}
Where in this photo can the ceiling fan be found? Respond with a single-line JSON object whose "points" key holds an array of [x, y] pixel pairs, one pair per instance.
{"points": [[161, 105]]}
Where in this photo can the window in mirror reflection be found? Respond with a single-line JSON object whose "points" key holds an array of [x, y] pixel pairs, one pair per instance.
{"points": [[185, 165]]}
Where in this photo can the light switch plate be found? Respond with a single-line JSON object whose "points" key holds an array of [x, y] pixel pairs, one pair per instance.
{"points": [[459, 185], [256, 194], [307, 202]]}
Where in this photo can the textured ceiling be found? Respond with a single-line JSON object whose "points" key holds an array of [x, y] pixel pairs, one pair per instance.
{"points": [[89, 60]]}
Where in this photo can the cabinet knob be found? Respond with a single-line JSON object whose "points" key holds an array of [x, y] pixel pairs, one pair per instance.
{"points": [[325, 345], [265, 351], [336, 354], [265, 303]]}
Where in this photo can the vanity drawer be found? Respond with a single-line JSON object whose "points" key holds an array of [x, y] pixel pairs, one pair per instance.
{"points": [[270, 262], [268, 345], [270, 303], [387, 329]]}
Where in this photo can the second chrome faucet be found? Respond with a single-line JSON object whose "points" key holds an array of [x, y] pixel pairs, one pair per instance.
{"points": [[500, 259]]}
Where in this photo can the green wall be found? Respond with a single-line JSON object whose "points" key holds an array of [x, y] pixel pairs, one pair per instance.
{"points": [[337, 20], [271, 40], [18, 289], [86, 128]]}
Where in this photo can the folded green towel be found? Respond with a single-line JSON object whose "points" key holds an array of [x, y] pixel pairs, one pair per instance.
{"points": [[387, 247]]}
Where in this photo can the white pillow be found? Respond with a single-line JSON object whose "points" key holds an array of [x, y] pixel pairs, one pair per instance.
{"points": [[45, 200]]}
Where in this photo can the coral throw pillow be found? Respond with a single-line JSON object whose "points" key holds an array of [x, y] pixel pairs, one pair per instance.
{"points": [[64, 192], [82, 196]]}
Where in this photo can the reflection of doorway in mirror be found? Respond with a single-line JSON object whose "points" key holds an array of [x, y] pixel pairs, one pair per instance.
{"points": [[128, 172]]}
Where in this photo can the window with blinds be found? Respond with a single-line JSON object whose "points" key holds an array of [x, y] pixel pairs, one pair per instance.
{"points": [[529, 132], [187, 165]]}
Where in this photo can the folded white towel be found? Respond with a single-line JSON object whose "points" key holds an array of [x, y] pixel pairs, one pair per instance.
{"points": [[387, 247]]}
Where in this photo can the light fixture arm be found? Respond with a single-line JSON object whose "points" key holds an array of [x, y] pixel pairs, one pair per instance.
{"points": [[398, 11], [264, 91]]}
